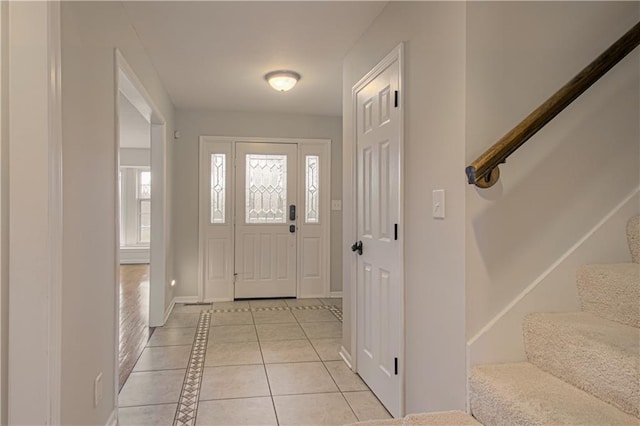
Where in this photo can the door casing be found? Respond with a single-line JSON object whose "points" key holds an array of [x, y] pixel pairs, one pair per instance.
{"points": [[349, 356], [304, 145]]}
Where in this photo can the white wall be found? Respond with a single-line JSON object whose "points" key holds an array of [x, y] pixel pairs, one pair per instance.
{"points": [[434, 99], [91, 31], [135, 157], [192, 125], [4, 208], [567, 177]]}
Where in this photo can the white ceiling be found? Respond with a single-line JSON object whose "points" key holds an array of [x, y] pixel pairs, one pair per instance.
{"points": [[213, 55]]}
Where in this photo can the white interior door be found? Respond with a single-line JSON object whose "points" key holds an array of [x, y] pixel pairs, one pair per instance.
{"points": [[265, 230], [379, 266]]}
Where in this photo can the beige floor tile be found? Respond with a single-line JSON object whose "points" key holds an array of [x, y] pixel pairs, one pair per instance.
{"points": [[152, 387], [234, 382], [296, 378], [267, 332], [191, 309], [267, 303], [335, 301], [240, 304], [314, 315], [328, 349], [303, 302], [231, 412], [232, 333], [273, 317], [346, 379], [366, 406], [147, 415], [314, 409], [239, 353], [322, 330], [288, 351], [172, 336], [231, 318], [178, 319], [163, 358]]}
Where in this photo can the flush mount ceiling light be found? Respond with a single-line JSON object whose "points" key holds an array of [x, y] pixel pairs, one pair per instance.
{"points": [[282, 81]]}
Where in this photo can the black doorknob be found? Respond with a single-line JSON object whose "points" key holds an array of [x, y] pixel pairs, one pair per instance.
{"points": [[357, 247]]}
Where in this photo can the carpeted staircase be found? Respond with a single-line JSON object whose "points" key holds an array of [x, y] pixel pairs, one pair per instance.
{"points": [[583, 367]]}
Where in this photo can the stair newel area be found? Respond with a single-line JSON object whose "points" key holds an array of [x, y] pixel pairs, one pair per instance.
{"points": [[582, 367]]}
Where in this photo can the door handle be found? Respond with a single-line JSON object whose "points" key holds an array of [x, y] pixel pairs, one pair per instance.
{"points": [[292, 212], [357, 247]]}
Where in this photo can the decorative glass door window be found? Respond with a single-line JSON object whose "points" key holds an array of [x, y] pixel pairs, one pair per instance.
{"points": [[311, 189], [266, 188], [218, 200]]}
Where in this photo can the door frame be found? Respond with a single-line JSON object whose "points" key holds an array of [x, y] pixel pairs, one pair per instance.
{"points": [[127, 83], [350, 357], [231, 201]]}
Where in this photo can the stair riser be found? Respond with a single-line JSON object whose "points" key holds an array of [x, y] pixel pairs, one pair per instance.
{"points": [[633, 238], [577, 358], [611, 292]]}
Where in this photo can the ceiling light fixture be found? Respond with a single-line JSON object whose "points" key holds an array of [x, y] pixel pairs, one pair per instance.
{"points": [[282, 81]]}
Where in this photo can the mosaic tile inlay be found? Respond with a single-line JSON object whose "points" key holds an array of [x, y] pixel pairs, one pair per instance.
{"points": [[335, 310], [188, 402]]}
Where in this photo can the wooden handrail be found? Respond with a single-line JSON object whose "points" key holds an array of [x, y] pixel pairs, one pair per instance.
{"points": [[484, 172]]}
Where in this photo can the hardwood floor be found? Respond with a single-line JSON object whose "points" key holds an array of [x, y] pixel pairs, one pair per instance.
{"points": [[134, 316]]}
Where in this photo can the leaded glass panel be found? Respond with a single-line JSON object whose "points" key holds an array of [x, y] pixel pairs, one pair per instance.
{"points": [[266, 188], [312, 185], [218, 184]]}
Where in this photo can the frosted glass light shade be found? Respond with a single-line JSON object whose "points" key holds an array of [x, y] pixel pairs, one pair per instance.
{"points": [[282, 81]]}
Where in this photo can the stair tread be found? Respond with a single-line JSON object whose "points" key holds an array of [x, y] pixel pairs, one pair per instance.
{"points": [[599, 356], [521, 393], [443, 418]]}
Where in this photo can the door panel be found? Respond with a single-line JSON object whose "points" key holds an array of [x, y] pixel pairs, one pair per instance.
{"points": [[265, 247], [216, 222], [378, 286]]}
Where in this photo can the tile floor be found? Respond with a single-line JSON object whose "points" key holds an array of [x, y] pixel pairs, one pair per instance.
{"points": [[267, 362]]}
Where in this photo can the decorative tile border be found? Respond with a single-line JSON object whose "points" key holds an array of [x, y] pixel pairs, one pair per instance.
{"points": [[188, 402], [335, 310]]}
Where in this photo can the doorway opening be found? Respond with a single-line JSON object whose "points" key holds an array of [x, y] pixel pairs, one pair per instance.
{"points": [[140, 233], [264, 218]]}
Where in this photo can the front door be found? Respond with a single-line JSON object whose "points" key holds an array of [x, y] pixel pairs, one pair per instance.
{"points": [[379, 264], [266, 216]]}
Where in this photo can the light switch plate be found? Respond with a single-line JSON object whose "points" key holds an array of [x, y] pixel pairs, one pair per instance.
{"points": [[336, 205], [438, 203]]}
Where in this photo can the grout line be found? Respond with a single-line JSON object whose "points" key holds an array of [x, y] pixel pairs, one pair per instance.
{"points": [[264, 367]]}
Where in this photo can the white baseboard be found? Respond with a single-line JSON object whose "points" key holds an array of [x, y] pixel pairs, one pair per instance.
{"points": [[185, 299], [346, 357], [218, 299], [113, 418], [335, 294], [168, 311]]}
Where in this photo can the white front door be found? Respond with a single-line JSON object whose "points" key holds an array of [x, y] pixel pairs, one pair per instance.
{"points": [[379, 266], [266, 216]]}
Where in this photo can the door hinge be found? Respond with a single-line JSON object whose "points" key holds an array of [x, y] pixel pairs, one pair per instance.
{"points": [[395, 366], [395, 231], [395, 99]]}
